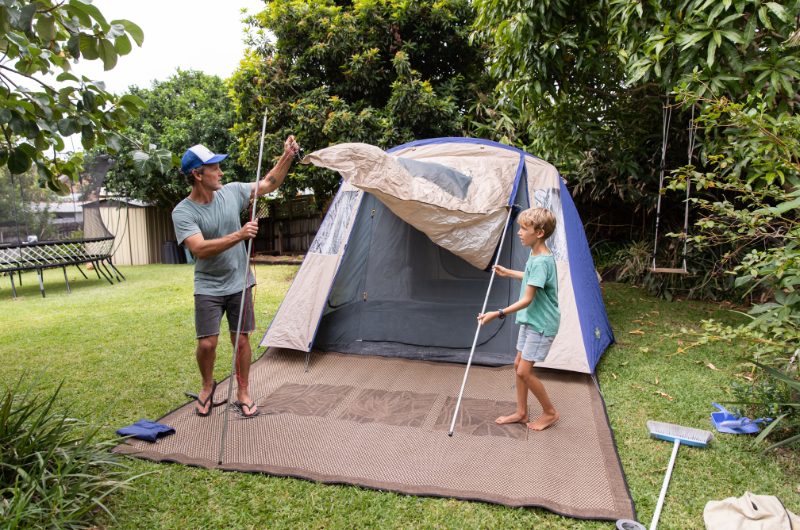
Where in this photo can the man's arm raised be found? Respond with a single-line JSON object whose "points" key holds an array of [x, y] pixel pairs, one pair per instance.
{"points": [[214, 247], [274, 178]]}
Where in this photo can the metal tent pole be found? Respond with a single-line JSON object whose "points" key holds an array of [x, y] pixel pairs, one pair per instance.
{"points": [[244, 295], [477, 331]]}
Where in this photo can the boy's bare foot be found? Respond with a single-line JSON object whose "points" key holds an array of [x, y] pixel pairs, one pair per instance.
{"points": [[514, 418], [544, 421]]}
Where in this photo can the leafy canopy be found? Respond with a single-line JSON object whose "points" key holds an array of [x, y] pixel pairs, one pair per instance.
{"points": [[187, 109], [382, 73], [585, 80], [38, 40]]}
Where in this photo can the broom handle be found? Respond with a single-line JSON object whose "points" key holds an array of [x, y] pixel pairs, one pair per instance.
{"points": [[661, 497], [477, 331]]}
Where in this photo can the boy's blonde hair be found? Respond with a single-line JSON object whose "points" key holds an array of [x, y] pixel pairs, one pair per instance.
{"points": [[538, 218]]}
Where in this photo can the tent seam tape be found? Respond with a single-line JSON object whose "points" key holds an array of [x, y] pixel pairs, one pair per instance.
{"points": [[459, 140]]}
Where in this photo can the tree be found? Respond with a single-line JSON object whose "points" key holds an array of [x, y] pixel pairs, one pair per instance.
{"points": [[187, 109], [592, 76], [39, 39], [382, 73]]}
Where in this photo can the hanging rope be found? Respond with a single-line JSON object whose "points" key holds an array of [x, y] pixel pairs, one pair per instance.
{"points": [[666, 118], [688, 187]]}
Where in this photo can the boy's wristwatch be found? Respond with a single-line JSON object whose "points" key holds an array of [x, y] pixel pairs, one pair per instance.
{"points": [[502, 315]]}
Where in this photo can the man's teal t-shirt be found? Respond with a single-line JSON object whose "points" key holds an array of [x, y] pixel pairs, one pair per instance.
{"points": [[223, 274], [543, 315]]}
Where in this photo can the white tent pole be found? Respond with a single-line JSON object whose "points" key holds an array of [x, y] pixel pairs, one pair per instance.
{"points": [[483, 311], [244, 295]]}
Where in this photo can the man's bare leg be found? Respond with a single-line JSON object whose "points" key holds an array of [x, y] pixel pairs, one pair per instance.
{"points": [[206, 354], [243, 370], [549, 415], [521, 415]]}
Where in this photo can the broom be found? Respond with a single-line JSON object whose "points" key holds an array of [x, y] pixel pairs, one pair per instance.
{"points": [[679, 435]]}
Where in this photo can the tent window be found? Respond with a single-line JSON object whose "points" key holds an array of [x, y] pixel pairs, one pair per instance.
{"points": [[331, 234], [450, 180]]}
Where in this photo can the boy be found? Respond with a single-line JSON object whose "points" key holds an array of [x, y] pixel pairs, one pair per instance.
{"points": [[538, 317]]}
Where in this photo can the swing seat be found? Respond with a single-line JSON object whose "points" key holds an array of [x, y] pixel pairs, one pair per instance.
{"points": [[668, 271]]}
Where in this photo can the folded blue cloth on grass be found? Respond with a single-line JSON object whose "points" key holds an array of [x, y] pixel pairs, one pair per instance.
{"points": [[146, 430]]}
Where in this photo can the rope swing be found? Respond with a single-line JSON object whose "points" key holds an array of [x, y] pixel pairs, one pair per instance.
{"points": [[666, 118]]}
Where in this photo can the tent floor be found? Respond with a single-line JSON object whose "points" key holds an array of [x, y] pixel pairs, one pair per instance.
{"points": [[382, 423]]}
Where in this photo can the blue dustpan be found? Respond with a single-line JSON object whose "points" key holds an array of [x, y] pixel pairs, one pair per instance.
{"points": [[729, 423]]}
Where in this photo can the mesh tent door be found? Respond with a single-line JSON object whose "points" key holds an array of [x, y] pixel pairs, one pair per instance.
{"points": [[398, 294]]}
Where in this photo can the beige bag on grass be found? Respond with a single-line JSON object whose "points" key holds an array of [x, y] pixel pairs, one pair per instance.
{"points": [[750, 512]]}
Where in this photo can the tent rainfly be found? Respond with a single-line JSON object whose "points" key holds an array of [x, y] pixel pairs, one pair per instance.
{"points": [[401, 262]]}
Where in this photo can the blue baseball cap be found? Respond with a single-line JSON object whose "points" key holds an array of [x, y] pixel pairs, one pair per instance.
{"points": [[197, 156]]}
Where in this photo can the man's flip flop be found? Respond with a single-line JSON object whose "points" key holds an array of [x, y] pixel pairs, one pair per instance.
{"points": [[209, 399], [241, 406], [194, 396]]}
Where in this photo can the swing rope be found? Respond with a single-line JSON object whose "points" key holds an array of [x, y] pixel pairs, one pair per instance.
{"points": [[666, 119], [688, 187]]}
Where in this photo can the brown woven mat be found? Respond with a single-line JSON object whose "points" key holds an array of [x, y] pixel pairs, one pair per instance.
{"points": [[382, 423]]}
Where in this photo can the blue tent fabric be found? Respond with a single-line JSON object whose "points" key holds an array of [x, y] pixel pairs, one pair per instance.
{"points": [[595, 327], [146, 430]]}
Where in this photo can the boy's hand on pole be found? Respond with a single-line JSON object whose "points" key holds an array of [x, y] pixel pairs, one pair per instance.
{"points": [[488, 317], [500, 270]]}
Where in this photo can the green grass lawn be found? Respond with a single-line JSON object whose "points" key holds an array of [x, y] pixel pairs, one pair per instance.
{"points": [[127, 351]]}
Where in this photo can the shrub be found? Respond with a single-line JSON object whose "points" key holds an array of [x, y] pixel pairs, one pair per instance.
{"points": [[54, 472], [755, 180]]}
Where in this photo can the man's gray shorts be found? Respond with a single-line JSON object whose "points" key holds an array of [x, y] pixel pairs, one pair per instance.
{"points": [[534, 345], [208, 311]]}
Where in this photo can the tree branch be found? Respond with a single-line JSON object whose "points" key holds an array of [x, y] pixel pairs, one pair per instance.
{"points": [[52, 8], [54, 91]]}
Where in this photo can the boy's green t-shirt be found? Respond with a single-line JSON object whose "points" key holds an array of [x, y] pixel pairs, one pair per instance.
{"points": [[543, 315]]}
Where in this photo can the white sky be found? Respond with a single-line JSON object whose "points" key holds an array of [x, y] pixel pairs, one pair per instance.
{"points": [[203, 35]]}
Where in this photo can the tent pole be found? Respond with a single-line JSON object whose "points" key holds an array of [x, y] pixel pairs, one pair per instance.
{"points": [[477, 331], [244, 294]]}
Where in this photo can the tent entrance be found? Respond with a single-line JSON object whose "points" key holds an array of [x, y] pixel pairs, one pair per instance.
{"points": [[398, 294]]}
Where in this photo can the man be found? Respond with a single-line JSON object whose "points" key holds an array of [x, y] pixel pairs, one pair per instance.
{"points": [[208, 223]]}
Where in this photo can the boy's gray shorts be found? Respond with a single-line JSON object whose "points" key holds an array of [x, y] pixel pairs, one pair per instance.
{"points": [[534, 345], [208, 311]]}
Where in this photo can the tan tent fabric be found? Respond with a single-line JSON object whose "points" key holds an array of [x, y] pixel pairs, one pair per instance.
{"points": [[749, 512], [468, 228], [567, 351], [541, 175], [296, 322]]}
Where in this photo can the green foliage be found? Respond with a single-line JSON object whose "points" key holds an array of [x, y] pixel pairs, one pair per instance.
{"points": [[187, 109], [382, 73], [39, 39], [756, 176], [586, 92], [54, 473]]}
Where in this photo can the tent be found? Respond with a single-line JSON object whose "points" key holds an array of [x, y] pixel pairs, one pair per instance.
{"points": [[402, 261]]}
